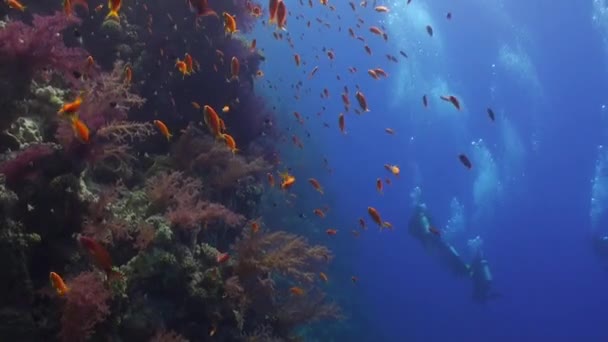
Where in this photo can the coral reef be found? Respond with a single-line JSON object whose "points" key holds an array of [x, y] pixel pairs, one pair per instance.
{"points": [[146, 231]]}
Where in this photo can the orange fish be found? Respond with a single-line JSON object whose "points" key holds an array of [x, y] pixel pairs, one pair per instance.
{"points": [[380, 72], [389, 131], [255, 227], [296, 57], [273, 6], [225, 109], [434, 231], [222, 258], [281, 15], [319, 213], [229, 23], [376, 30], [99, 254], [379, 185], [287, 181], [182, 67], [71, 108], [465, 161], [452, 99], [195, 105], [230, 143], [114, 6], [373, 74], [375, 215], [58, 284], [315, 184], [341, 123], [235, 67], [323, 277], [15, 4], [67, 7], [80, 130], [394, 169], [362, 101], [163, 129], [331, 232], [128, 75], [296, 291], [213, 121], [189, 63], [270, 178], [253, 45], [381, 9]]}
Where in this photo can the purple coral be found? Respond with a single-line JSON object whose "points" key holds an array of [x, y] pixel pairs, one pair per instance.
{"points": [[86, 305], [41, 45], [25, 164]]}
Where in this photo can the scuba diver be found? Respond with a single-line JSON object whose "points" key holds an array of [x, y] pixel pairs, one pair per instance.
{"points": [[421, 228], [482, 279]]}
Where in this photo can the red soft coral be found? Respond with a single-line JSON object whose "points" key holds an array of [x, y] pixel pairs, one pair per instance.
{"points": [[41, 45], [86, 305]]}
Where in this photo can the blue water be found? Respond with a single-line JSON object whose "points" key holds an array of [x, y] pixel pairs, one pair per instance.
{"points": [[541, 66]]}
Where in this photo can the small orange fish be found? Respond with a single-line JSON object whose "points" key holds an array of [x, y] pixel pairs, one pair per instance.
{"points": [[452, 99], [465, 161], [235, 68], [100, 255], [98, 8], [319, 213], [362, 223], [213, 122], [230, 143], [379, 185], [394, 169], [288, 181], [272, 9], [373, 74], [323, 277], [195, 105], [225, 109], [315, 184], [341, 123], [375, 215], [434, 231], [281, 15], [15, 4], [67, 7], [381, 9], [296, 57], [376, 30], [222, 258], [71, 108], [296, 291], [80, 130], [389, 131], [255, 227], [331, 232], [362, 101], [229, 23], [128, 75], [189, 63], [182, 67], [114, 6], [58, 284], [270, 178], [163, 129]]}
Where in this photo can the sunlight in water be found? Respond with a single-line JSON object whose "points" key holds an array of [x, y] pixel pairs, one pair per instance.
{"points": [[516, 61], [455, 225], [599, 188], [487, 187]]}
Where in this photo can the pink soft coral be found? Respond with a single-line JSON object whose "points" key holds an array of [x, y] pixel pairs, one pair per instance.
{"points": [[41, 45], [86, 305]]}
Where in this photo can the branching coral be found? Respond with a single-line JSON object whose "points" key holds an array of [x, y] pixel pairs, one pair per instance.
{"points": [[200, 153], [181, 197], [288, 254], [41, 45], [106, 100], [86, 305]]}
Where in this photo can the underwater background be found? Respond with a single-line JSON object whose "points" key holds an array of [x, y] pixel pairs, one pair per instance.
{"points": [[303, 170]]}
